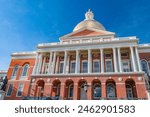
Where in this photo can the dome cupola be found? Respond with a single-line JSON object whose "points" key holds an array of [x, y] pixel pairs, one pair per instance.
{"points": [[89, 22]]}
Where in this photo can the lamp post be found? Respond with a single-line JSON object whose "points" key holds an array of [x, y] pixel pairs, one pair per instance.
{"points": [[84, 94]]}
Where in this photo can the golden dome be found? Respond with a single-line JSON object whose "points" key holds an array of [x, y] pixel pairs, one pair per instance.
{"points": [[89, 22]]}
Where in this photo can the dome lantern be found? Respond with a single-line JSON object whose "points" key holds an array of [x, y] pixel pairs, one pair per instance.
{"points": [[89, 22], [89, 15]]}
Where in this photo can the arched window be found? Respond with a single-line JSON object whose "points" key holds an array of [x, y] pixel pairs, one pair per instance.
{"points": [[97, 91], [70, 91], [25, 70], [129, 91], [14, 72], [111, 91], [58, 90], [145, 67]]}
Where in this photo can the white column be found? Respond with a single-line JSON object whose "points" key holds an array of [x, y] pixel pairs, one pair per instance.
{"points": [[67, 66], [54, 61], [65, 62], [115, 59], [89, 61], [50, 63], [40, 63], [43, 65], [77, 62], [36, 64], [56, 65], [102, 60], [133, 59], [138, 59], [119, 60]]}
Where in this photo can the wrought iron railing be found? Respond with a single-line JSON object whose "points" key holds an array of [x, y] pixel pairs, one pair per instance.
{"points": [[59, 98], [42, 98]]}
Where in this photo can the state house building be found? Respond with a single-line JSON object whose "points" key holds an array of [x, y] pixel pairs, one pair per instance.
{"points": [[88, 63]]}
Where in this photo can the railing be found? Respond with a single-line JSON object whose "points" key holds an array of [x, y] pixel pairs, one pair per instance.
{"points": [[147, 80], [85, 40], [42, 98], [59, 98]]}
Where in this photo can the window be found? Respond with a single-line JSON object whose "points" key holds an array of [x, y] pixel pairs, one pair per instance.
{"points": [[97, 91], [72, 68], [10, 90], [126, 66], [20, 90], [70, 91], [124, 54], [111, 91], [96, 66], [58, 90], [14, 72], [129, 91], [25, 70], [108, 55], [145, 66], [84, 66], [61, 67], [109, 67]]}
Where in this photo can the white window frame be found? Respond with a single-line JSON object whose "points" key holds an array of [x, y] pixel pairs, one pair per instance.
{"points": [[24, 77], [106, 65], [14, 77], [100, 90], [147, 65], [8, 90], [127, 89], [71, 66], [60, 66], [126, 60], [18, 90], [96, 60], [69, 90], [114, 90], [82, 66]]}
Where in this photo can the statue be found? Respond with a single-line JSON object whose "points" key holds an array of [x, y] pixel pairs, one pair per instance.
{"points": [[89, 15], [4, 83]]}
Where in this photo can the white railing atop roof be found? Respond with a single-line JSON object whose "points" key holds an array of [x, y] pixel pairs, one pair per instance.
{"points": [[86, 40]]}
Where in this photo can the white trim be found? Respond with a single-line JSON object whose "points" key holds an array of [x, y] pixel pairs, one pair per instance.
{"points": [[73, 61], [114, 90], [128, 61], [60, 66], [8, 90], [14, 77], [99, 84], [22, 70], [18, 90], [111, 65], [96, 60], [69, 90], [82, 66], [20, 80], [147, 65]]}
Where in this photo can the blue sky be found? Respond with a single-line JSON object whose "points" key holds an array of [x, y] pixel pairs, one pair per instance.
{"points": [[26, 23]]}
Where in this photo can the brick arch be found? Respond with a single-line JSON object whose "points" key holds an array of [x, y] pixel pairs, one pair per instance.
{"points": [[56, 84], [39, 88], [130, 84], [25, 63]]}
